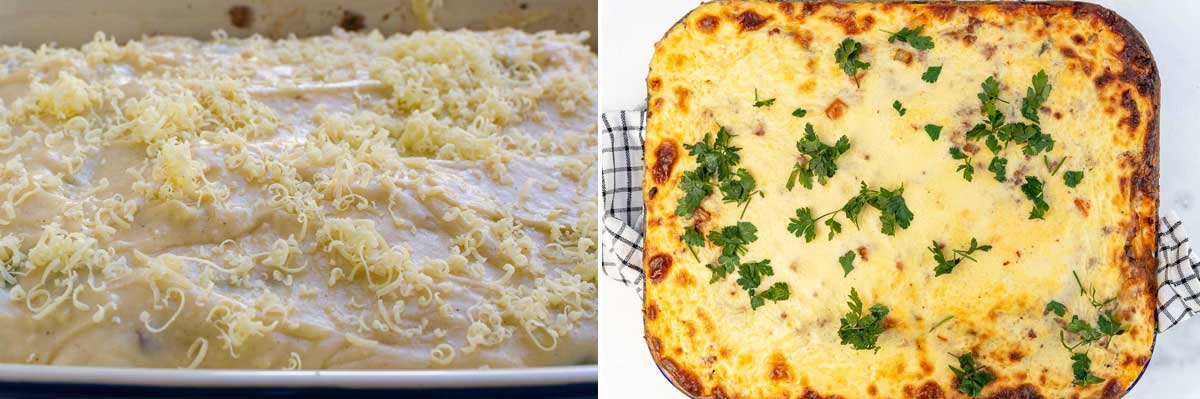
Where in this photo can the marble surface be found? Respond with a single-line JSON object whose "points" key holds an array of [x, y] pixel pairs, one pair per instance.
{"points": [[630, 28]]}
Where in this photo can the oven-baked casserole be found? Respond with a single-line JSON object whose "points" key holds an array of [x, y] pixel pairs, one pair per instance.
{"points": [[858, 200]]}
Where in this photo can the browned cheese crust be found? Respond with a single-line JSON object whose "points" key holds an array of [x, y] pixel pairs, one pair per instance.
{"points": [[713, 345]]}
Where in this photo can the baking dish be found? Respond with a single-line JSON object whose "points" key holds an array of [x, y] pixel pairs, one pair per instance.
{"points": [[713, 340], [28, 24]]}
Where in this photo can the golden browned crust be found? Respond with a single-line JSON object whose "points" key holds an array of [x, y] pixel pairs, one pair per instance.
{"points": [[1127, 88]]}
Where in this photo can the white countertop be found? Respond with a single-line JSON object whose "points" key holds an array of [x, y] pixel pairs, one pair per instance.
{"points": [[630, 29]]}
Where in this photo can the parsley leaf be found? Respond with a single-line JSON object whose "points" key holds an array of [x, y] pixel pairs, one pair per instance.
{"points": [[1033, 189], [968, 167], [1081, 367], [893, 209], [931, 74], [899, 108], [847, 55], [1056, 307], [1072, 178], [739, 189], [939, 324], [695, 188], [847, 262], [762, 103], [861, 331], [971, 376], [692, 237], [934, 131], [750, 274], [1108, 324], [945, 266], [1035, 96], [819, 159], [912, 37], [777, 292], [715, 158], [799, 113], [998, 166]]}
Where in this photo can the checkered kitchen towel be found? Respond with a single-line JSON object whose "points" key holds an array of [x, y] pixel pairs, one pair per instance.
{"points": [[624, 222]]}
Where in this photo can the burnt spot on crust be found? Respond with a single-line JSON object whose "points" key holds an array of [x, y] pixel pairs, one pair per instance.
{"points": [[1139, 67], [352, 21], [780, 370], [653, 192], [851, 24], [862, 253], [835, 109], [658, 267], [681, 98], [1112, 390], [1104, 79], [872, 390], [655, 83], [1135, 118], [803, 37], [1024, 391], [943, 11], [930, 390], [1077, 39], [685, 379], [903, 56], [651, 311], [1015, 355], [719, 392], [749, 20], [708, 23], [665, 157], [241, 17], [786, 8], [655, 344], [683, 278]]}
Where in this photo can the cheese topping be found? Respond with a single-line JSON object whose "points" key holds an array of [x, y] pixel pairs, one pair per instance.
{"points": [[352, 200]]}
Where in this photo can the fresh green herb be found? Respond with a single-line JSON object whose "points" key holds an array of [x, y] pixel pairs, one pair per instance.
{"points": [[777, 292], [1054, 170], [945, 266], [972, 377], [1072, 178], [1082, 368], [733, 241], [819, 159], [931, 74], [939, 324], [715, 158], [1035, 96], [739, 189], [912, 37], [693, 238], [861, 331], [934, 131], [1057, 308], [998, 166], [967, 167], [750, 274], [695, 188], [762, 103], [847, 262], [847, 55], [899, 107], [894, 213], [1033, 189], [799, 113]]}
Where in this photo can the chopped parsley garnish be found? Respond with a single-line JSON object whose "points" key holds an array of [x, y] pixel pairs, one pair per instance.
{"points": [[733, 241], [1035, 95], [820, 159], [972, 377], [1054, 170], [715, 159], [934, 131], [1033, 189], [799, 113], [912, 37], [762, 103], [899, 107], [861, 331], [1081, 366], [945, 266], [692, 237], [967, 167], [894, 213], [847, 262], [931, 74], [1072, 178], [998, 166], [939, 323], [1057, 308], [1107, 325], [846, 56]]}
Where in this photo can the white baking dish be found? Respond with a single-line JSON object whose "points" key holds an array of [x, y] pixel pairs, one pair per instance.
{"points": [[71, 23]]}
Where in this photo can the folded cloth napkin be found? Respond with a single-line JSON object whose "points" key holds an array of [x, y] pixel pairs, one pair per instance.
{"points": [[624, 224]]}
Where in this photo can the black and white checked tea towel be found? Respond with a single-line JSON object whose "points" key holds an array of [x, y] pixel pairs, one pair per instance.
{"points": [[621, 259]]}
